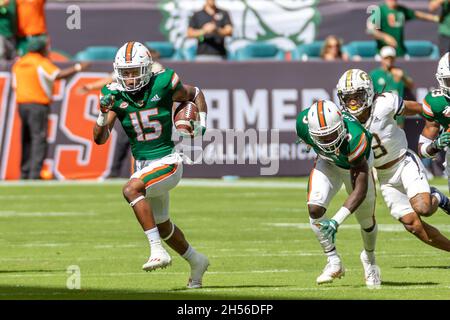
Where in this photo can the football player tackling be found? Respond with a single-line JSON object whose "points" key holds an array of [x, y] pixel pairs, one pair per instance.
{"points": [[344, 157], [142, 102], [403, 183]]}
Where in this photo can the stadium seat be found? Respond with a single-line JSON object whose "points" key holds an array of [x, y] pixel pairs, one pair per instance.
{"points": [[166, 49], [259, 51], [189, 52], [97, 53], [422, 49], [307, 51], [363, 49]]}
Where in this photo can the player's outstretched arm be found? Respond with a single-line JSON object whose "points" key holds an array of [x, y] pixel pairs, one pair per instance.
{"points": [[359, 173], [430, 142], [412, 108], [105, 120]]}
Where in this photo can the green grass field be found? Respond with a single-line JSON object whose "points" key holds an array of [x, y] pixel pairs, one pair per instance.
{"points": [[255, 233]]}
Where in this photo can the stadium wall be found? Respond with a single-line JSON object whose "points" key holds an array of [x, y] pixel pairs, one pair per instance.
{"points": [[285, 23], [250, 97]]}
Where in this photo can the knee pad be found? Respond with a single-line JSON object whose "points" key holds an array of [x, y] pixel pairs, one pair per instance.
{"points": [[133, 203], [367, 223], [170, 233]]}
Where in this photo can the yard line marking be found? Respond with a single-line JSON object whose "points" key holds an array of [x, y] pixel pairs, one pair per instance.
{"points": [[381, 227]]}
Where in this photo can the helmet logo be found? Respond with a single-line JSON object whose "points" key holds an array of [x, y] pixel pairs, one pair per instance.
{"points": [[123, 105]]}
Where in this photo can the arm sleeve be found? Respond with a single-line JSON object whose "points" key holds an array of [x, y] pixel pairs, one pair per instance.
{"points": [[302, 127], [358, 147], [175, 82], [226, 19], [49, 70], [409, 13], [427, 111]]}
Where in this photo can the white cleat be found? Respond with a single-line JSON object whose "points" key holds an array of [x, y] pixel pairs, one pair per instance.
{"points": [[372, 273], [331, 271], [198, 268], [159, 258]]}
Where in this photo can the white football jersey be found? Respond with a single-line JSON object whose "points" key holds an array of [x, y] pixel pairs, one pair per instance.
{"points": [[389, 141]]}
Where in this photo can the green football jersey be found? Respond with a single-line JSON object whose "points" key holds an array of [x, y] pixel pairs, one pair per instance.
{"points": [[355, 146], [147, 115], [392, 22], [436, 107]]}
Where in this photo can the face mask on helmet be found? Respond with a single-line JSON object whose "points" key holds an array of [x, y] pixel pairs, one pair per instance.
{"points": [[444, 84], [329, 140], [355, 102], [133, 78]]}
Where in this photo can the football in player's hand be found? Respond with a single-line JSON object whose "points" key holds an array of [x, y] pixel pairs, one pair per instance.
{"points": [[186, 113]]}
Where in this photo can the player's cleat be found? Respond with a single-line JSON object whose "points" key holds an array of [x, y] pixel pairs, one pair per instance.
{"points": [[444, 204], [372, 273], [159, 258], [198, 268], [333, 270]]}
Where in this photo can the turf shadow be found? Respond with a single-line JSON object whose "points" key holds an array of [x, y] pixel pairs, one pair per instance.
{"points": [[407, 283], [60, 293], [423, 267], [32, 271]]}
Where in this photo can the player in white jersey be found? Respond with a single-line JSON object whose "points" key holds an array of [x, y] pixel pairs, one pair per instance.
{"points": [[401, 174]]}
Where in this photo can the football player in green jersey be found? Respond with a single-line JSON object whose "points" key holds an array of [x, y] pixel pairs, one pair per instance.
{"points": [[344, 157], [436, 110], [143, 102]]}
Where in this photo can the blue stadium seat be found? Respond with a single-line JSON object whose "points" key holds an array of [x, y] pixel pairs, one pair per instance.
{"points": [[97, 53], [363, 49], [259, 51], [166, 49], [421, 49], [189, 53], [308, 51]]}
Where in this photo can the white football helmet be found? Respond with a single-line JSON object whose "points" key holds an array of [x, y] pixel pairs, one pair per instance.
{"points": [[326, 125], [443, 74], [132, 66], [355, 84]]}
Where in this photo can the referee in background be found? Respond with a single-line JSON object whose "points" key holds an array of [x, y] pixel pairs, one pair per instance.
{"points": [[33, 79]]}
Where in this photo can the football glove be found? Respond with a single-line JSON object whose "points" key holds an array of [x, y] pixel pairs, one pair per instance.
{"points": [[199, 126], [329, 227], [106, 103], [442, 141]]}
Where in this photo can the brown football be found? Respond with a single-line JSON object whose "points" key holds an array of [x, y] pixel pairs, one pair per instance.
{"points": [[184, 114]]}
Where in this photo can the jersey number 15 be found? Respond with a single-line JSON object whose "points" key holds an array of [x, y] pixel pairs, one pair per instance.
{"points": [[141, 121]]}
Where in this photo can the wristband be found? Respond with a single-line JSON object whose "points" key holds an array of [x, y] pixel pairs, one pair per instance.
{"points": [[77, 67], [423, 151], [202, 119], [102, 119], [341, 215]]}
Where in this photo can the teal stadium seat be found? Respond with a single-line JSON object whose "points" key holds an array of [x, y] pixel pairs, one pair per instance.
{"points": [[97, 53], [189, 53], [421, 49], [363, 49], [259, 51], [166, 49], [307, 51]]}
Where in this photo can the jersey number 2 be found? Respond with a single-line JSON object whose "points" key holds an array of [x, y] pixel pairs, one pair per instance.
{"points": [[143, 121]]}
